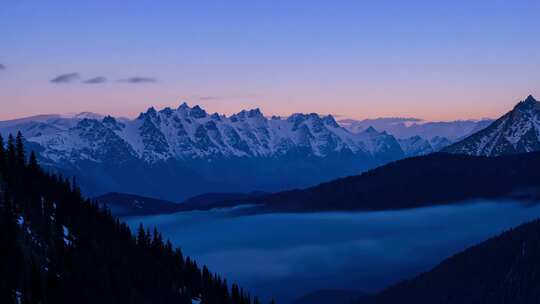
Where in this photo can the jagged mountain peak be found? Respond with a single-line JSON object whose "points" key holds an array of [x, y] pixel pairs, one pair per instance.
{"points": [[298, 118], [167, 111], [245, 114], [215, 116], [517, 131], [529, 103], [255, 113], [112, 123], [370, 129], [109, 120], [151, 111], [329, 120], [197, 112], [530, 98], [184, 106]]}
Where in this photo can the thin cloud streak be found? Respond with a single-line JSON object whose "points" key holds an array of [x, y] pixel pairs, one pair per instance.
{"points": [[138, 79], [96, 80], [2, 67], [66, 78]]}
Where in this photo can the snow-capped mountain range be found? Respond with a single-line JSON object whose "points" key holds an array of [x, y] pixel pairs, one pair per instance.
{"points": [[517, 131], [189, 151], [191, 133]]}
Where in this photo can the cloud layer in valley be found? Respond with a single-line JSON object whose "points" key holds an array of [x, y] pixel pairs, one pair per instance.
{"points": [[359, 250]]}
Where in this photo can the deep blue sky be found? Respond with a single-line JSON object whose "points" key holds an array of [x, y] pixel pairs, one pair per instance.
{"points": [[429, 59]]}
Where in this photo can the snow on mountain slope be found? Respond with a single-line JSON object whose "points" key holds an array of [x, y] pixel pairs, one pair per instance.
{"points": [[439, 142], [416, 145], [191, 133], [517, 131], [35, 126]]}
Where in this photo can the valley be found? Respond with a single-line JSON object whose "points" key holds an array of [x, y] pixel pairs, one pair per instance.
{"points": [[289, 255]]}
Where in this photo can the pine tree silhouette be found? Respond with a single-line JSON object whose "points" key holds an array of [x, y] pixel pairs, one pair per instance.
{"points": [[21, 158]]}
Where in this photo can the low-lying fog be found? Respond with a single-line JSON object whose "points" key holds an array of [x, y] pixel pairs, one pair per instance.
{"points": [[289, 255]]}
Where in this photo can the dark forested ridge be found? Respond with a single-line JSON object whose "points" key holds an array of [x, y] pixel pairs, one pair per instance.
{"points": [[123, 204], [435, 179], [504, 269], [209, 200], [57, 247]]}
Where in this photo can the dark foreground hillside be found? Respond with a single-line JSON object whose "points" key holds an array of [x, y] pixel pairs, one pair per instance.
{"points": [[504, 269], [57, 247]]}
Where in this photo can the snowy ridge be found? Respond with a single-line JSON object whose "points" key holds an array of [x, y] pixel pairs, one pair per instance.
{"points": [[191, 133], [416, 145], [403, 128], [517, 131]]}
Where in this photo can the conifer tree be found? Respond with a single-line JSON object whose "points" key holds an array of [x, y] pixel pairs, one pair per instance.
{"points": [[157, 241], [169, 248], [21, 158], [235, 294], [2, 154], [32, 162], [142, 239], [11, 154]]}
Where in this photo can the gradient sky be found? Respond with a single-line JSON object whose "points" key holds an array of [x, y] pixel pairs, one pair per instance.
{"points": [[437, 60]]}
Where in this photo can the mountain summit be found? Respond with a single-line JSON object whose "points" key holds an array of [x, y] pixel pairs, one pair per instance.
{"points": [[517, 131], [530, 99]]}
